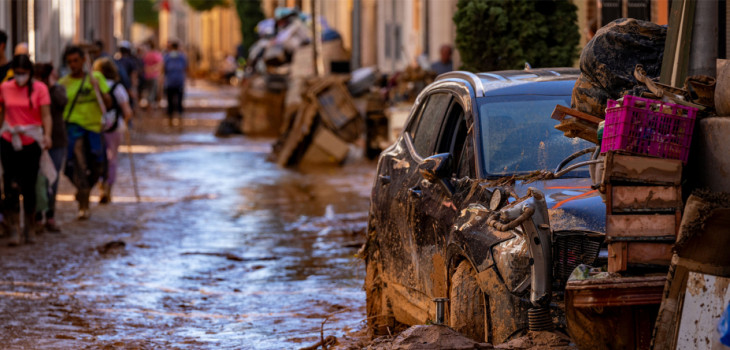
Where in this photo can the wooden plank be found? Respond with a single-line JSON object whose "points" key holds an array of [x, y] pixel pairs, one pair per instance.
{"points": [[650, 225], [623, 291], [676, 48], [645, 198], [649, 253], [623, 254], [560, 112], [617, 256], [643, 170], [572, 127]]}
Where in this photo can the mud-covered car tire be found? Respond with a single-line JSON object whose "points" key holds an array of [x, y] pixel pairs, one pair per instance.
{"points": [[467, 311]]}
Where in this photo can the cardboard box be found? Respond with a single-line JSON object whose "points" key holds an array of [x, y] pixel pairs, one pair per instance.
{"points": [[326, 147]]}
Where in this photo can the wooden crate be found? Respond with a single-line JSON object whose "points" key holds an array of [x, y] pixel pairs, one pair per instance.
{"points": [[621, 168], [632, 199], [642, 225], [623, 253], [613, 313]]}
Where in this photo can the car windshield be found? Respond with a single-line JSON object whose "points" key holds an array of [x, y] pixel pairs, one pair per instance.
{"points": [[518, 135]]}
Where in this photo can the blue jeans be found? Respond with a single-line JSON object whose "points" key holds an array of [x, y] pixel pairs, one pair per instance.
{"points": [[85, 161]]}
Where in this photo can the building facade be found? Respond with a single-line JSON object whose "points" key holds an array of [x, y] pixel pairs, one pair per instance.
{"points": [[48, 26]]}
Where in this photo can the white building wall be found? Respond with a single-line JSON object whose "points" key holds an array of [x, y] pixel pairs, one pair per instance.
{"points": [[441, 28], [423, 25]]}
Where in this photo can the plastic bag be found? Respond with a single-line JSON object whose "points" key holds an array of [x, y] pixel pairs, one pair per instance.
{"points": [[47, 168], [724, 327]]}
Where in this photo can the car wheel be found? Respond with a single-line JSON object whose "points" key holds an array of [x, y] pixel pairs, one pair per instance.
{"points": [[468, 311]]}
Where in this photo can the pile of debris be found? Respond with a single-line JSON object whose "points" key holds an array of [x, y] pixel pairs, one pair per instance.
{"points": [[324, 124], [309, 98], [662, 254]]}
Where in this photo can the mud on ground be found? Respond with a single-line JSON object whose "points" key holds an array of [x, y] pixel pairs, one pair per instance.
{"points": [[225, 251]]}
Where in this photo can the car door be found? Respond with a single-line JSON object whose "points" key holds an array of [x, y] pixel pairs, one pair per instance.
{"points": [[435, 210], [397, 185]]}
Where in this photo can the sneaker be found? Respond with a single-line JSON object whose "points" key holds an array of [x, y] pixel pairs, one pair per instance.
{"points": [[84, 214], [104, 199], [51, 226], [12, 222], [106, 194], [39, 227]]}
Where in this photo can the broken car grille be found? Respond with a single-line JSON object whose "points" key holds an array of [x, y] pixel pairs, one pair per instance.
{"points": [[572, 249]]}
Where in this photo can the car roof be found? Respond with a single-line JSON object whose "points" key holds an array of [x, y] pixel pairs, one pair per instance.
{"points": [[505, 82]]}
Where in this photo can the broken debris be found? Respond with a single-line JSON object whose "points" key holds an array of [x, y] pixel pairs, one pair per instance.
{"points": [[424, 337]]}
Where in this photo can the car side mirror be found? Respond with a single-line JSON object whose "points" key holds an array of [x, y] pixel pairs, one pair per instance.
{"points": [[438, 169]]}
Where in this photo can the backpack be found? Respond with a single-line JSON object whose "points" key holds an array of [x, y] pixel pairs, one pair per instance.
{"points": [[111, 118]]}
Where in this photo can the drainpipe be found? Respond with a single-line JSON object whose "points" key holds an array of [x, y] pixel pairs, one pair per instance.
{"points": [[356, 36], [703, 48]]}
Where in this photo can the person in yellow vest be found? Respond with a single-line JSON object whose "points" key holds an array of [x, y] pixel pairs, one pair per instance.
{"points": [[88, 96]]}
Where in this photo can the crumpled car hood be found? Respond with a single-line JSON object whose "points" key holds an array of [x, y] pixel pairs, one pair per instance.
{"points": [[572, 203]]}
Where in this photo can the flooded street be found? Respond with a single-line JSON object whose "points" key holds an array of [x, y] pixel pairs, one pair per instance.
{"points": [[226, 250]]}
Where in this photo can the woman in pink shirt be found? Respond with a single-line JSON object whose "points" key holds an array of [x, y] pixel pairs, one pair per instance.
{"points": [[25, 116], [152, 69]]}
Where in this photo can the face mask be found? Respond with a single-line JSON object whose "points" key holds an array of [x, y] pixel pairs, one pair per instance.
{"points": [[22, 79]]}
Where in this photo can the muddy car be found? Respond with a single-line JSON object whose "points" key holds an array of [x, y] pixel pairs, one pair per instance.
{"points": [[482, 201]]}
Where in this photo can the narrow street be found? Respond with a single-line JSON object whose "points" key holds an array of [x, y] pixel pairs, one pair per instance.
{"points": [[226, 250]]}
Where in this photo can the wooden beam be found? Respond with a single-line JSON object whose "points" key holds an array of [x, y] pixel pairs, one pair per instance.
{"points": [[675, 62], [560, 112]]}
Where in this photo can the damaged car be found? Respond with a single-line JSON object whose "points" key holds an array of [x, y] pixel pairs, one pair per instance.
{"points": [[483, 203]]}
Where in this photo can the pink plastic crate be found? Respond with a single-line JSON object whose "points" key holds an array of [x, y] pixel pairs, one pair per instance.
{"points": [[646, 126]]}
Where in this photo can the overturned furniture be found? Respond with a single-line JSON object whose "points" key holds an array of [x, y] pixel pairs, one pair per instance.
{"points": [[323, 126], [262, 105]]}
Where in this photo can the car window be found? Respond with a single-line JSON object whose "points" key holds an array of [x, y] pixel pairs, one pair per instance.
{"points": [[413, 124], [463, 150], [447, 138], [429, 125], [465, 167]]}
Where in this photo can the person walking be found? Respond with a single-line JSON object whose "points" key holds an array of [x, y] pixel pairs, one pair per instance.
{"points": [[27, 125], [4, 63], [46, 74], [152, 70], [88, 96], [128, 63], [175, 66], [115, 124], [444, 64]]}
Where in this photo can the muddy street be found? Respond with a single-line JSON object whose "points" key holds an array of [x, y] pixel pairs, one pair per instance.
{"points": [[226, 250]]}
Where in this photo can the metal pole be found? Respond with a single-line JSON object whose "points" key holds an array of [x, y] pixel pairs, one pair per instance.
{"points": [[318, 38], [356, 36], [128, 138], [703, 49], [314, 37]]}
